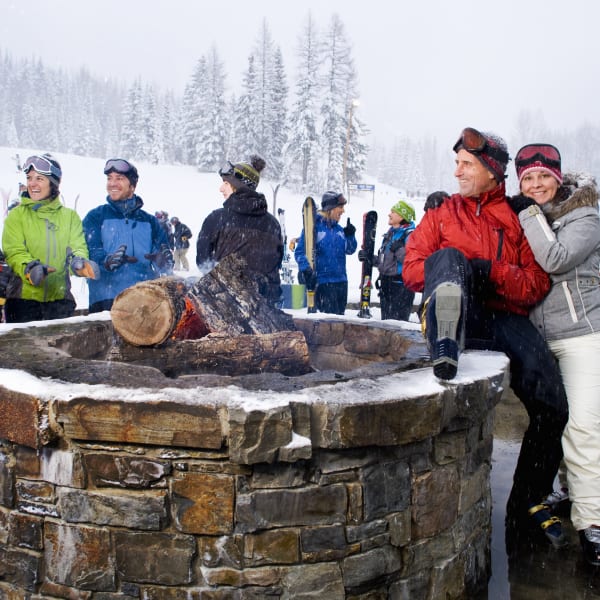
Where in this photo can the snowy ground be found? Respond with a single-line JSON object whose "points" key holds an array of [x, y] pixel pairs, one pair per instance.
{"points": [[190, 195]]}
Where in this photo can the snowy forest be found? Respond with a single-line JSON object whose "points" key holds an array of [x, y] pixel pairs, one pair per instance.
{"points": [[309, 132]]}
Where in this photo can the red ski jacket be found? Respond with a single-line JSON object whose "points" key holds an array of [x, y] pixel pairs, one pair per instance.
{"points": [[484, 227]]}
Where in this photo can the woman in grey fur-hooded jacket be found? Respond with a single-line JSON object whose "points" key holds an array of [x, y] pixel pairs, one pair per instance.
{"points": [[561, 221]]}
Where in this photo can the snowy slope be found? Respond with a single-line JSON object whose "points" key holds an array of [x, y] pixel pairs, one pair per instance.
{"points": [[190, 195]]}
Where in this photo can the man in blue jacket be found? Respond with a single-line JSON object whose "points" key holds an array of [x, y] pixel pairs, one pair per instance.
{"points": [[127, 242], [333, 243]]}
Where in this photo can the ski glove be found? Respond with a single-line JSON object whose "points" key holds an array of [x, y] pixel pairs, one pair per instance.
{"points": [[349, 230], [163, 258], [82, 267], [364, 257], [36, 272], [519, 203], [118, 258], [310, 279]]}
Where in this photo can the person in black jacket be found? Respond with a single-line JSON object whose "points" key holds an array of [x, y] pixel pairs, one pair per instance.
{"points": [[181, 242], [243, 226]]}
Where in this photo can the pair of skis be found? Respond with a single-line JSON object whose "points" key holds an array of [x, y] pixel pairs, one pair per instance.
{"points": [[309, 211]]}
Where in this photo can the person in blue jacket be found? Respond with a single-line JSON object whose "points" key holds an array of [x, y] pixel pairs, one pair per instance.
{"points": [[333, 244], [396, 300], [127, 242]]}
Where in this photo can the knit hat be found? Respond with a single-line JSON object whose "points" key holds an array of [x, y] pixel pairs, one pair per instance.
{"points": [[405, 210], [241, 175], [489, 149], [539, 157], [331, 200]]}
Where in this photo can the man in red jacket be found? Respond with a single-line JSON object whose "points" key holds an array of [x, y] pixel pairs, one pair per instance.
{"points": [[479, 279]]}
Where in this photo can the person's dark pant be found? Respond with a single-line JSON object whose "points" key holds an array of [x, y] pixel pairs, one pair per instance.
{"points": [[332, 297], [18, 310], [535, 377], [100, 306], [396, 300]]}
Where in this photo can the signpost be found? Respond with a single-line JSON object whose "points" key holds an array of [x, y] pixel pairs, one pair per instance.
{"points": [[363, 187]]}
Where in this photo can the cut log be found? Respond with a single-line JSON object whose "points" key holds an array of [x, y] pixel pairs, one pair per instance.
{"points": [[282, 352], [226, 300]]}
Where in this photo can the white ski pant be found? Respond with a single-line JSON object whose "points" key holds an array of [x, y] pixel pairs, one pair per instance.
{"points": [[578, 362]]}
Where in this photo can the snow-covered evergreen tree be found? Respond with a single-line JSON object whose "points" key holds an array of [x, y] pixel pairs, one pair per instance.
{"points": [[191, 112], [246, 117], [132, 135]]}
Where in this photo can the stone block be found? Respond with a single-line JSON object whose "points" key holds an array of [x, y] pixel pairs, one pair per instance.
{"points": [[299, 448], [20, 568], [222, 551], [203, 503], [259, 576], [276, 475], [27, 462], [155, 558], [7, 480], [386, 489], [323, 580], [400, 528], [367, 566], [316, 539], [62, 467], [55, 590], [35, 491], [79, 556], [447, 579], [449, 447], [146, 511], [110, 470], [355, 513], [435, 498], [474, 487], [256, 434], [24, 419], [25, 531], [364, 531], [152, 422], [280, 546], [289, 508]]}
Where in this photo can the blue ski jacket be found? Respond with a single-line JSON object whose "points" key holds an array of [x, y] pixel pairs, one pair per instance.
{"points": [[332, 246], [110, 225]]}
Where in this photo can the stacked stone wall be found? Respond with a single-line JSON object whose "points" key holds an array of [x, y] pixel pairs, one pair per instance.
{"points": [[221, 495]]}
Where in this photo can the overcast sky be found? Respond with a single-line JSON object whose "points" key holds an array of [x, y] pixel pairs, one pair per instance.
{"points": [[424, 67]]}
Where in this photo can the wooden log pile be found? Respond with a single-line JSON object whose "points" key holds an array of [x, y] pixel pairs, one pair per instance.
{"points": [[219, 323]]}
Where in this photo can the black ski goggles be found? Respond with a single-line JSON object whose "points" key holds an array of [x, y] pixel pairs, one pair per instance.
{"points": [[475, 142], [546, 154], [118, 165], [42, 165]]}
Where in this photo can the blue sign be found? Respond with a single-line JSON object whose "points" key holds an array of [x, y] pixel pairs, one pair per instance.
{"points": [[362, 187]]}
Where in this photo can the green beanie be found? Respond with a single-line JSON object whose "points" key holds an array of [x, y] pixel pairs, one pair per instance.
{"points": [[405, 210]]}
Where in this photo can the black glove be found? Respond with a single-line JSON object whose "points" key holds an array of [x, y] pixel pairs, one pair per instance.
{"points": [[82, 267], [163, 258], [349, 230], [362, 256], [310, 279], [519, 203], [36, 272], [481, 268], [5, 275], [118, 258]]}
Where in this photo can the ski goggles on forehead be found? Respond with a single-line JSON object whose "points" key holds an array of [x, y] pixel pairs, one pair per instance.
{"points": [[41, 165], [547, 154], [119, 165], [475, 142], [230, 170]]}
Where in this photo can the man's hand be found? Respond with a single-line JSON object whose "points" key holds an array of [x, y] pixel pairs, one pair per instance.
{"points": [[163, 258], [310, 279], [82, 267], [118, 258], [36, 272], [519, 203], [349, 230]]}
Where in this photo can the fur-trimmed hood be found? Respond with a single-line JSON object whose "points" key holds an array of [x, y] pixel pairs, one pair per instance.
{"points": [[577, 190]]}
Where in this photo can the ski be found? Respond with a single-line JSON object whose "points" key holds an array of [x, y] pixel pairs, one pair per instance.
{"points": [[287, 275], [309, 212], [368, 247]]}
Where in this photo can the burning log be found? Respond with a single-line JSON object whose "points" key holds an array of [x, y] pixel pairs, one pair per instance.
{"points": [[221, 324], [226, 301]]}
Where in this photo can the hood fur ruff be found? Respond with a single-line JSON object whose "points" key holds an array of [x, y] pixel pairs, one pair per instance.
{"points": [[577, 190]]}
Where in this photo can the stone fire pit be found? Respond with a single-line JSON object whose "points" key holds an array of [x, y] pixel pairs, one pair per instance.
{"points": [[364, 479]]}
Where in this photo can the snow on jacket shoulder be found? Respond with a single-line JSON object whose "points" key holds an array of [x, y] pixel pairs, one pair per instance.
{"points": [[43, 231], [487, 228], [565, 238]]}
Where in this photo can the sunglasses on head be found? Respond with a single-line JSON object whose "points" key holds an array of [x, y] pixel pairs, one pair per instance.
{"points": [[118, 165], [547, 154], [475, 142], [41, 165]]}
